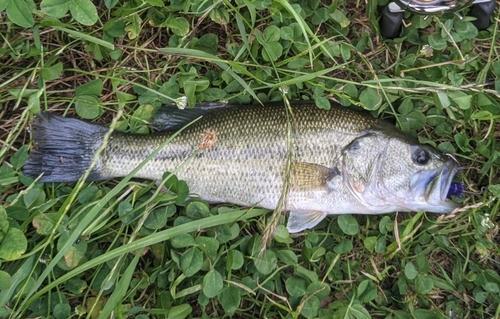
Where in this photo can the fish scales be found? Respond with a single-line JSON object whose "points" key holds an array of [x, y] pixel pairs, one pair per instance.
{"points": [[342, 161], [247, 161]]}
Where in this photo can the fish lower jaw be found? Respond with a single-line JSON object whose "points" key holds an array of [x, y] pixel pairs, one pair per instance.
{"points": [[441, 207], [447, 206]]}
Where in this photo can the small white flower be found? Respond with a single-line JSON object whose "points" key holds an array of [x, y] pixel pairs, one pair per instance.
{"points": [[486, 222], [284, 89], [181, 102], [426, 51]]}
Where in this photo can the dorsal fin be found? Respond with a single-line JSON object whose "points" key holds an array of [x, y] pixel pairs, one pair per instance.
{"points": [[171, 118]]}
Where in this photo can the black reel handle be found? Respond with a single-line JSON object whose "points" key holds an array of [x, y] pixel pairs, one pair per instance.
{"points": [[390, 23], [482, 12]]}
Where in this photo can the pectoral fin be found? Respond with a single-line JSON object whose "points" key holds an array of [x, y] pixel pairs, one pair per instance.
{"points": [[300, 220], [308, 176]]}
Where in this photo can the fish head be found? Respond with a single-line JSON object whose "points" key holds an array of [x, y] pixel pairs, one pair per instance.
{"points": [[388, 172]]}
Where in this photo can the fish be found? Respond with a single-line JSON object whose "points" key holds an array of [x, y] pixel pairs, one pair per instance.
{"points": [[325, 162]]}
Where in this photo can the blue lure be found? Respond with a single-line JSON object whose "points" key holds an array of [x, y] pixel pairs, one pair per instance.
{"points": [[456, 189]]}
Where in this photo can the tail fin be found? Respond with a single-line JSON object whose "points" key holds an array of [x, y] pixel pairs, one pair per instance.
{"points": [[63, 148]]}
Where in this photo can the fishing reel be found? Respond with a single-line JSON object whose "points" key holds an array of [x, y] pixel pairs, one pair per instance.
{"points": [[392, 14]]}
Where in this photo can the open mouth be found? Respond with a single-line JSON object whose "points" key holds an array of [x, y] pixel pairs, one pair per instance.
{"points": [[437, 187], [443, 185]]}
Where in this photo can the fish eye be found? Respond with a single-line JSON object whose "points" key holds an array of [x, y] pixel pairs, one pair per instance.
{"points": [[420, 156]]}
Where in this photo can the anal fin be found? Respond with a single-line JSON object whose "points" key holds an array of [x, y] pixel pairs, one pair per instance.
{"points": [[300, 220]]}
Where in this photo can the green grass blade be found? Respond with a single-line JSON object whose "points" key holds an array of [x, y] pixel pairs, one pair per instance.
{"points": [[21, 274], [225, 65], [306, 31], [226, 218], [121, 288], [86, 37]]}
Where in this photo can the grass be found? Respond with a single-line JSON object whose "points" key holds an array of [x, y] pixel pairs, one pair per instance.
{"points": [[121, 248]]}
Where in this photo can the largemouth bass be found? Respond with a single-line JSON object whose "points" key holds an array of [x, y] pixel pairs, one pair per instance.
{"points": [[337, 161]]}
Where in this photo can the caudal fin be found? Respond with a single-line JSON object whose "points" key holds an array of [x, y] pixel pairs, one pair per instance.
{"points": [[63, 148]]}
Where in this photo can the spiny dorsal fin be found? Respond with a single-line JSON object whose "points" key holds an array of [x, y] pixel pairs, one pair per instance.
{"points": [[309, 176], [171, 118]]}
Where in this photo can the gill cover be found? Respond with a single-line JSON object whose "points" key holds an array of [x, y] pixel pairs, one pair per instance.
{"points": [[361, 165]]}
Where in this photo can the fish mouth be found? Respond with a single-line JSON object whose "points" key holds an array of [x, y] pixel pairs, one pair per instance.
{"points": [[436, 187]]}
